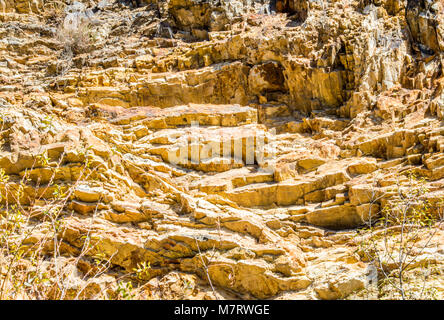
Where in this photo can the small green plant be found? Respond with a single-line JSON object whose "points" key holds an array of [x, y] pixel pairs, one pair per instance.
{"points": [[142, 270], [125, 290], [396, 242], [3, 176], [47, 123], [43, 159]]}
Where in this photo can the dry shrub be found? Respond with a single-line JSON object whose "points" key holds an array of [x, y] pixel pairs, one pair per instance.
{"points": [[75, 33], [35, 262], [54, 11], [401, 243]]}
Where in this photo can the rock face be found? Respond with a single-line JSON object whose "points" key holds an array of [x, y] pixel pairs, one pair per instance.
{"points": [[227, 144], [425, 19]]}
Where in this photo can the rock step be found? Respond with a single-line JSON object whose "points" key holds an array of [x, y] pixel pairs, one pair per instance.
{"points": [[127, 247], [224, 83], [286, 125], [257, 277], [232, 179], [283, 193], [156, 118], [185, 241], [210, 149]]}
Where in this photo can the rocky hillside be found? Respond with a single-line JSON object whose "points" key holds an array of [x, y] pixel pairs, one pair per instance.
{"points": [[215, 149]]}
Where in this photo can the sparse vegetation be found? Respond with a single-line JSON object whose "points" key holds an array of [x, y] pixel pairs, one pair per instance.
{"points": [[399, 243], [75, 33]]}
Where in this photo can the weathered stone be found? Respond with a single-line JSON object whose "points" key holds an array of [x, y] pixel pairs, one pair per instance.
{"points": [[87, 194], [425, 20], [320, 113], [362, 166], [335, 217]]}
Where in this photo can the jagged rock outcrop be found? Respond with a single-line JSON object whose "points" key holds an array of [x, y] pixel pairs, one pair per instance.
{"points": [[220, 142], [425, 20]]}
